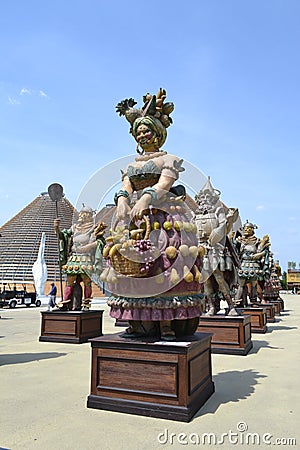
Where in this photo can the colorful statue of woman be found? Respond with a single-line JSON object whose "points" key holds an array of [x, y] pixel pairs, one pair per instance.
{"points": [[153, 263]]}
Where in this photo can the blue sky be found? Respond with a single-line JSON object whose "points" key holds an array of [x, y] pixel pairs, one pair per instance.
{"points": [[231, 67]]}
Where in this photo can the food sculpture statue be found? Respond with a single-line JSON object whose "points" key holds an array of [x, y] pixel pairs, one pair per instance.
{"points": [[214, 222], [272, 284], [80, 256], [153, 262], [254, 255]]}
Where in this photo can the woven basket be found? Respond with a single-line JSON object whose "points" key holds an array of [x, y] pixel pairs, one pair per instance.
{"points": [[129, 267]]}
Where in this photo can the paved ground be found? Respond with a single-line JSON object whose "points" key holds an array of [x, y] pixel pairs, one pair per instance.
{"points": [[44, 387]]}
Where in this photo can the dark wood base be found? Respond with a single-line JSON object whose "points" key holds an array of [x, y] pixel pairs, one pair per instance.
{"points": [[281, 303], [169, 380], [231, 335], [121, 323], [270, 310], [258, 318], [74, 327], [277, 306], [276, 300]]}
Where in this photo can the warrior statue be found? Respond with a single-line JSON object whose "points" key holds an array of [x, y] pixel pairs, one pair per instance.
{"points": [[80, 255], [214, 221], [272, 284], [254, 255]]}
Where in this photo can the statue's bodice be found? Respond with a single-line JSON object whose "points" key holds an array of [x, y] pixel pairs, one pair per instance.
{"points": [[143, 176], [250, 268], [81, 238], [248, 250], [206, 223]]}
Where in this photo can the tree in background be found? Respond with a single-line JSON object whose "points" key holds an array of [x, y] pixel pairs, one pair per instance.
{"points": [[283, 281]]}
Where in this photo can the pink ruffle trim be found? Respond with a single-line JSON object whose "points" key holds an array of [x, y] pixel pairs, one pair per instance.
{"points": [[153, 314]]}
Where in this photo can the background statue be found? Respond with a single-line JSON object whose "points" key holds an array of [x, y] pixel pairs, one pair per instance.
{"points": [[80, 254], [272, 285], [214, 222], [253, 253], [153, 264]]}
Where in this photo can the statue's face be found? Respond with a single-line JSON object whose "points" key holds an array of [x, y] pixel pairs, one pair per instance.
{"points": [[145, 138], [208, 198], [248, 231], [84, 217]]}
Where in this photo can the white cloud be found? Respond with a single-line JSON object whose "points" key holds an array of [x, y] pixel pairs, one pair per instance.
{"points": [[24, 91], [260, 207], [13, 101], [43, 94], [29, 92]]}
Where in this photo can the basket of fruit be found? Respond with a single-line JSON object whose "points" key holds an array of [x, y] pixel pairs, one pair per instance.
{"points": [[131, 256]]}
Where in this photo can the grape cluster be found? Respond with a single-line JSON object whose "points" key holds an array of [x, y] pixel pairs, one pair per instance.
{"points": [[145, 249]]}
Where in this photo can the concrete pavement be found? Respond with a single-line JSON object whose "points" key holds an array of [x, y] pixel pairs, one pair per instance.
{"points": [[44, 387]]}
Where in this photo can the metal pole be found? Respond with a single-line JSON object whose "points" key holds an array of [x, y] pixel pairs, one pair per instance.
{"points": [[55, 192]]}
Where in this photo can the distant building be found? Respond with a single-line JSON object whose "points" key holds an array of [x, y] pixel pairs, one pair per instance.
{"points": [[293, 279]]}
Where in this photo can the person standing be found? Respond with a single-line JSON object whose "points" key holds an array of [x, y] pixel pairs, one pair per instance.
{"points": [[52, 297]]}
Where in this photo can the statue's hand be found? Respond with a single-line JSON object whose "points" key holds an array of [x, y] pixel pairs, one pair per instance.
{"points": [[100, 229], [56, 224], [140, 208], [257, 256]]}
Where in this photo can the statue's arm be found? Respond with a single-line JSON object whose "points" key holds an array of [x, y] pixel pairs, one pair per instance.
{"points": [[219, 232], [122, 196]]}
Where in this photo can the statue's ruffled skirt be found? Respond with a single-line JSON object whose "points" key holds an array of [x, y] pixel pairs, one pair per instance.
{"points": [[78, 264], [156, 308], [151, 299]]}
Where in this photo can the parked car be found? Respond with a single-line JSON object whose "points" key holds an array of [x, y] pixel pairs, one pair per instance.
{"points": [[14, 297]]}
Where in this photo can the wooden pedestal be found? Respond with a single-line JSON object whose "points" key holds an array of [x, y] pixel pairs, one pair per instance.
{"points": [[72, 327], [278, 301], [230, 334], [121, 323], [258, 318], [169, 380], [281, 303], [270, 310], [277, 306]]}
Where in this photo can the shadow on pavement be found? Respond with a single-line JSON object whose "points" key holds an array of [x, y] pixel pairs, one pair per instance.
{"points": [[257, 345], [231, 386], [19, 358], [280, 327]]}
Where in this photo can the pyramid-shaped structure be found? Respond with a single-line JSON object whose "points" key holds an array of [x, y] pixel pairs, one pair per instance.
{"points": [[21, 236]]}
